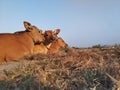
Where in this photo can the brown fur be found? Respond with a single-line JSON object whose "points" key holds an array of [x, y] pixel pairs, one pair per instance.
{"points": [[40, 48], [17, 45], [53, 47], [56, 45], [52, 43], [50, 36]]}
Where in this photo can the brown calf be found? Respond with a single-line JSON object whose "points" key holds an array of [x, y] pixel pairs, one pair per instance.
{"points": [[14, 46], [55, 45], [53, 42], [50, 36]]}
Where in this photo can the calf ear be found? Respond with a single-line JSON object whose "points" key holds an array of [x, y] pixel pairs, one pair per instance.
{"points": [[57, 31], [28, 26]]}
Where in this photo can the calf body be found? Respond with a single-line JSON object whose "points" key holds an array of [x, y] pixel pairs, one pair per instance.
{"points": [[40, 48], [14, 46]]}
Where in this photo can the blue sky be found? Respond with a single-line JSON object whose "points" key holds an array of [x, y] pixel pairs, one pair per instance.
{"points": [[83, 23]]}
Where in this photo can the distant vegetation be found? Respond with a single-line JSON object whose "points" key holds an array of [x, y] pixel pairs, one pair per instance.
{"points": [[98, 46], [69, 69], [103, 46]]}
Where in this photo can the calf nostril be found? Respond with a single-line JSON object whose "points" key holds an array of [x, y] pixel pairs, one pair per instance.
{"points": [[52, 39]]}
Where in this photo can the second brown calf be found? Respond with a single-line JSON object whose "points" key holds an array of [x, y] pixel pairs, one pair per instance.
{"points": [[53, 47], [56, 45], [52, 43]]}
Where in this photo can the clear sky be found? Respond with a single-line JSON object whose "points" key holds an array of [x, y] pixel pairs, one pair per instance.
{"points": [[83, 23]]}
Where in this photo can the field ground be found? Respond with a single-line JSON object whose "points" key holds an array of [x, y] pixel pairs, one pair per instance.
{"points": [[69, 69]]}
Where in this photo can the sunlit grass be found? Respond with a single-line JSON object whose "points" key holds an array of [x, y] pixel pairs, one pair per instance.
{"points": [[69, 69]]}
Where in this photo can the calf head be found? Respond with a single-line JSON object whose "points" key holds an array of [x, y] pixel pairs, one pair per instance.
{"points": [[35, 33], [61, 43], [55, 45], [50, 36]]}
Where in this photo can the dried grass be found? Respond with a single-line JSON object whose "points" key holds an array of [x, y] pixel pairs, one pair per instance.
{"points": [[69, 69]]}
